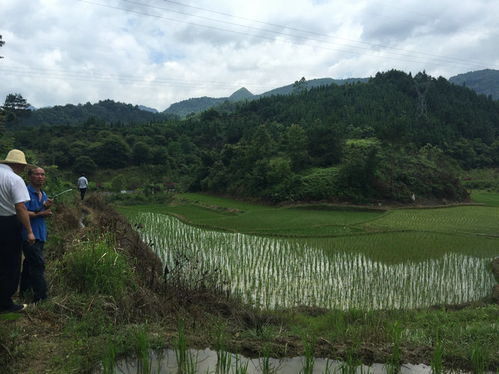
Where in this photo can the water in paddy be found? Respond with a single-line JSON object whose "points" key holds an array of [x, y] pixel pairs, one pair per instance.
{"points": [[275, 272], [207, 361]]}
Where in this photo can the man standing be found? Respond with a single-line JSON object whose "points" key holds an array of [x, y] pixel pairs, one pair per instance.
{"points": [[82, 185], [13, 215], [33, 274]]}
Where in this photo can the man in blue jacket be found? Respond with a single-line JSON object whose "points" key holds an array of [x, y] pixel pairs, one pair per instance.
{"points": [[33, 273]]}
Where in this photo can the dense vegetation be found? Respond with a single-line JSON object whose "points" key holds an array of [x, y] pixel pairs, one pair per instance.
{"points": [[106, 111], [393, 138]]}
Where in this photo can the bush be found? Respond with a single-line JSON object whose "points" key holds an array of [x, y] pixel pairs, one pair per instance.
{"points": [[95, 267]]}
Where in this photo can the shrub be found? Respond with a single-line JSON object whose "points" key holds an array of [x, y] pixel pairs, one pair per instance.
{"points": [[94, 266]]}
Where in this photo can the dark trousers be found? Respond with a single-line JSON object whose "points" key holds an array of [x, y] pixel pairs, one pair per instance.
{"points": [[10, 259], [82, 192], [33, 274]]}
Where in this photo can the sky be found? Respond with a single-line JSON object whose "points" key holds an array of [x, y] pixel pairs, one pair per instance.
{"points": [[158, 52]]}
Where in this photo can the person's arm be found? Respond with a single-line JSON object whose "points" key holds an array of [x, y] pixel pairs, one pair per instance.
{"points": [[41, 213], [23, 216]]}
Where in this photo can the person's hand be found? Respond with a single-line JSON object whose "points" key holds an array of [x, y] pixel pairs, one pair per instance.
{"points": [[48, 203], [46, 213], [30, 238]]}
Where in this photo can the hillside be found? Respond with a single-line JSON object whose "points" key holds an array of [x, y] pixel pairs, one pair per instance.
{"points": [[106, 111], [389, 139], [485, 82], [196, 105]]}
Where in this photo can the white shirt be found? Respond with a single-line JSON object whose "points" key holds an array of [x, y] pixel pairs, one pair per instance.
{"points": [[12, 190], [82, 182]]}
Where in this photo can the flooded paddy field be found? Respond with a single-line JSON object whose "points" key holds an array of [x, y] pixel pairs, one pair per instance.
{"points": [[355, 272], [391, 273], [209, 361]]}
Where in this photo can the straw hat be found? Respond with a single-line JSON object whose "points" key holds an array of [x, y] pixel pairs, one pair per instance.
{"points": [[15, 156]]}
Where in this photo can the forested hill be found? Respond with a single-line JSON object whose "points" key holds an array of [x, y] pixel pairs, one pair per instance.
{"points": [[106, 111], [197, 105], [392, 138], [485, 82]]}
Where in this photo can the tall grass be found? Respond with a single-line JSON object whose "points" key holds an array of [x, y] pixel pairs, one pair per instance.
{"points": [[96, 267]]}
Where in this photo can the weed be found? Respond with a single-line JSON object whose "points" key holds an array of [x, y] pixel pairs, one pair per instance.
{"points": [[96, 267]]}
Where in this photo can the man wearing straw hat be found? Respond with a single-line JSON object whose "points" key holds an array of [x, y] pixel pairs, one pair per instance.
{"points": [[13, 215]]}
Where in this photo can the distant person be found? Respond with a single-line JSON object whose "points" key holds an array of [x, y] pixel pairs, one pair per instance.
{"points": [[33, 273], [13, 215], [82, 185]]}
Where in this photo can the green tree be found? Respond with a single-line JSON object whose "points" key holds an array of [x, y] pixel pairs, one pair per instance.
{"points": [[15, 102], [141, 153], [84, 164], [112, 153], [1, 43], [296, 147]]}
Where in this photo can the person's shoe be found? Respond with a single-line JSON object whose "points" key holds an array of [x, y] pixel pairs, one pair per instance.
{"points": [[15, 308]]}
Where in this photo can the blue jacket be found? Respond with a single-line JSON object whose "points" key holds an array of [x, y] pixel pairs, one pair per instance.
{"points": [[37, 223]]}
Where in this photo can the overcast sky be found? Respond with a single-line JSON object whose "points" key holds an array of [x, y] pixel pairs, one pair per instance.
{"points": [[158, 52]]}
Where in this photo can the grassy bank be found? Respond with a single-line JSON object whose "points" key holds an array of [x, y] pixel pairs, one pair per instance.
{"points": [[109, 299]]}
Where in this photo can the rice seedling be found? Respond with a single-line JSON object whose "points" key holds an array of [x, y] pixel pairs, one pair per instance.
{"points": [[309, 360], [479, 359], [394, 360], [109, 360], [437, 365], [142, 352], [266, 366], [224, 358], [186, 362], [240, 365], [273, 273], [352, 362]]}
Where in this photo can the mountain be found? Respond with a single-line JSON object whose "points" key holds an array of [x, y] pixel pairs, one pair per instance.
{"points": [[485, 82], [194, 105], [197, 105], [240, 95], [304, 84], [147, 109], [106, 111]]}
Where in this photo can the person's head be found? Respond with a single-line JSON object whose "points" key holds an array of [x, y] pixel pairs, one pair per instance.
{"points": [[16, 160], [36, 177]]}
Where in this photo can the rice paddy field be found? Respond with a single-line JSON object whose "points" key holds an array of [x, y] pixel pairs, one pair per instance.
{"points": [[325, 256]]}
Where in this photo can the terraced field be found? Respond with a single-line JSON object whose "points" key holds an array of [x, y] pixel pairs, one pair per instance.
{"points": [[326, 256]]}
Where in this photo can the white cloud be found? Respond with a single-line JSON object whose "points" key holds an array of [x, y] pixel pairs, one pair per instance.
{"points": [[157, 52]]}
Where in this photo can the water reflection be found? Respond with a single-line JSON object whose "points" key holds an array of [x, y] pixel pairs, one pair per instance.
{"points": [[207, 361]]}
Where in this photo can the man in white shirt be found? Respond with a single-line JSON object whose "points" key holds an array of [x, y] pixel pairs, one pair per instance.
{"points": [[13, 215], [82, 185]]}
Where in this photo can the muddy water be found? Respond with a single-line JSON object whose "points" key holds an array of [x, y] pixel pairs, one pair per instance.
{"points": [[205, 361]]}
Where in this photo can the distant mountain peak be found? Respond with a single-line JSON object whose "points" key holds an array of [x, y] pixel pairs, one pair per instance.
{"points": [[147, 109], [241, 94]]}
